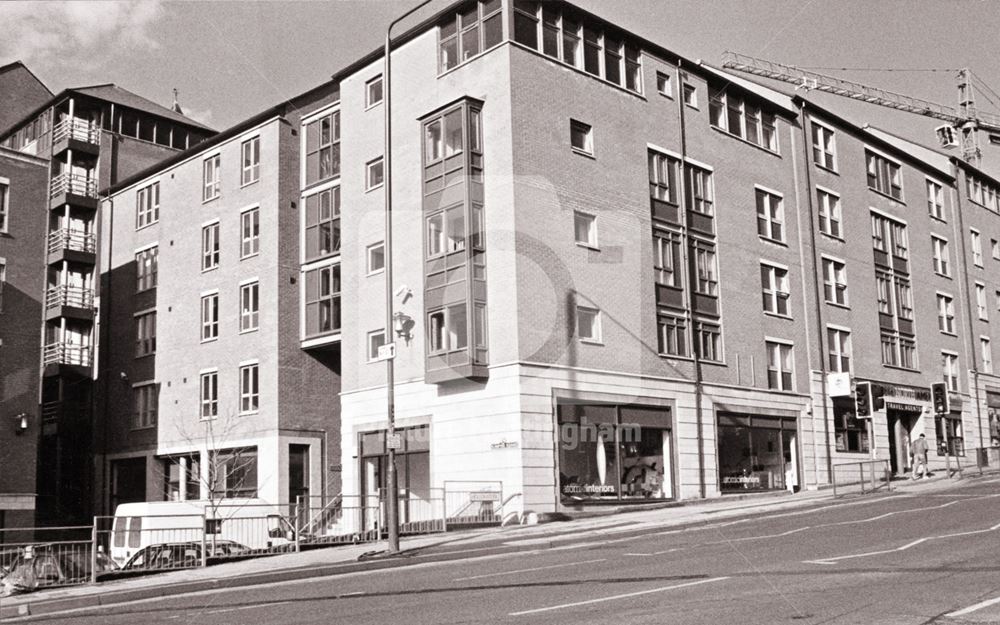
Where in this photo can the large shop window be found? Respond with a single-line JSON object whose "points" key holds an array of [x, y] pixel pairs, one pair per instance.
{"points": [[610, 452], [948, 432], [756, 453], [850, 431]]}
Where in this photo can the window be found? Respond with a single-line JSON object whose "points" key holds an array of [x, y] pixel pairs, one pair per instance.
{"points": [[898, 351], [376, 339], [210, 317], [946, 313], [779, 366], [249, 232], [835, 281], [211, 178], [446, 231], [147, 205], [996, 248], [774, 284], [940, 253], [145, 397], [701, 194], [3, 280], [709, 340], [376, 257], [671, 333], [145, 334], [474, 29], [249, 388], [986, 354], [585, 229], [935, 199], [234, 474], [981, 302], [145, 269], [210, 395], [741, 118], [4, 204], [851, 432], [663, 177], [581, 137], [667, 258], [588, 324], [949, 365], [707, 272], [249, 306], [884, 175], [770, 215], [904, 298], [977, 248], [323, 148], [824, 147], [322, 224], [447, 329], [839, 345], [322, 306], [210, 247], [251, 161], [373, 91], [690, 95], [830, 216], [664, 84], [374, 174]]}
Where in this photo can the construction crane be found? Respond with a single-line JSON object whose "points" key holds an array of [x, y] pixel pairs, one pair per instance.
{"points": [[963, 123]]}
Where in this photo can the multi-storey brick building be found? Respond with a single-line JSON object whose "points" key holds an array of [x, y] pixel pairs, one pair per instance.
{"points": [[619, 275], [89, 137]]}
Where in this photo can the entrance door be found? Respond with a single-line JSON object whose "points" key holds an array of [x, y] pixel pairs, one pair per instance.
{"points": [[900, 425], [298, 476]]}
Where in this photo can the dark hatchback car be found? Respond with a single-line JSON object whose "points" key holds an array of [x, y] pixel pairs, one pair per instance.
{"points": [[166, 556], [49, 566]]}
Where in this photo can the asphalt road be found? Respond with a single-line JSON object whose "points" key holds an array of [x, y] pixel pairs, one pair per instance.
{"points": [[933, 558]]}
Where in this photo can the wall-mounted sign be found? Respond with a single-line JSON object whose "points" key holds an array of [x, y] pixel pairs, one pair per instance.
{"points": [[394, 441], [485, 495], [838, 384], [503, 444]]}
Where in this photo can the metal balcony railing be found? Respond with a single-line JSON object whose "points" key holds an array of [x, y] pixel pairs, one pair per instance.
{"points": [[67, 239], [75, 128], [63, 295], [67, 354], [73, 183]]}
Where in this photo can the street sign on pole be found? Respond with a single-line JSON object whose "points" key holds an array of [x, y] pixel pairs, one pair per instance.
{"points": [[386, 352], [394, 441]]}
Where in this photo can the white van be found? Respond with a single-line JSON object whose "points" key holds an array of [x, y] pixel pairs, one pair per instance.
{"points": [[252, 523]]}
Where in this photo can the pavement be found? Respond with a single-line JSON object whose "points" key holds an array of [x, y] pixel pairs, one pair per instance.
{"points": [[415, 550]]}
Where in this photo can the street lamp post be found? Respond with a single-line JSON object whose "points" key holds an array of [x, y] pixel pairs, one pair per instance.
{"points": [[392, 501]]}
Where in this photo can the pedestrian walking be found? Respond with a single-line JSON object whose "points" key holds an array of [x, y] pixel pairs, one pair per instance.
{"points": [[918, 453]]}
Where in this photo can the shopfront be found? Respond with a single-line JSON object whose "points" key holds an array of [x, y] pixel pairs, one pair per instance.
{"points": [[614, 453], [993, 413], [413, 475], [756, 452]]}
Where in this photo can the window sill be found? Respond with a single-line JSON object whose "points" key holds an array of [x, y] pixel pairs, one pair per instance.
{"points": [[211, 199], [309, 187], [248, 183], [833, 237], [675, 357], [250, 256], [582, 152], [668, 96], [852, 451], [592, 341], [250, 330], [827, 169], [375, 272], [138, 228], [248, 412], [205, 419], [588, 246], [986, 319], [211, 340], [898, 200], [206, 270], [900, 368], [782, 390], [375, 188], [369, 107], [936, 218], [942, 275], [765, 239], [742, 140], [768, 313], [143, 428], [838, 305], [138, 356]]}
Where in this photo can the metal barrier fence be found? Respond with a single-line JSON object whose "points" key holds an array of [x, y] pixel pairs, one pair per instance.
{"points": [[473, 503], [361, 518], [987, 459], [45, 557], [862, 477]]}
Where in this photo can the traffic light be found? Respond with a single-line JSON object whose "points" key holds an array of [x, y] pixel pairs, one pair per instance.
{"points": [[878, 391], [939, 397], [863, 399]]}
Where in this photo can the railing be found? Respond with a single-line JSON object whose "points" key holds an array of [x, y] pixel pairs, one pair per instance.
{"points": [[68, 239], [867, 476], [73, 183], [987, 459], [63, 295], [44, 557], [66, 354], [75, 128]]}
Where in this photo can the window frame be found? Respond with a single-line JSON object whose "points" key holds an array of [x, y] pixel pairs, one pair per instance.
{"points": [[976, 245], [249, 294], [775, 289], [839, 350], [950, 370], [4, 205], [483, 44], [371, 271], [590, 221], [986, 354], [771, 217], [332, 116], [830, 213], [935, 205], [829, 156], [835, 281], [449, 340], [147, 280], [145, 405], [690, 94], [147, 206], [209, 316], [210, 257], [940, 256], [370, 185], [208, 405], [597, 337], [333, 298], [145, 333], [884, 170], [982, 301], [250, 174], [728, 110], [249, 373], [781, 350], [211, 186], [250, 244], [369, 343], [669, 81], [577, 126], [945, 313], [371, 102], [672, 325]]}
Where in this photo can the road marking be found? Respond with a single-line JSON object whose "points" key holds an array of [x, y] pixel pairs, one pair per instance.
{"points": [[614, 597], [973, 608], [537, 568], [247, 607], [914, 543], [655, 553]]}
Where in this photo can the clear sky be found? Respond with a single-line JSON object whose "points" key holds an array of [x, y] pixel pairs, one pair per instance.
{"points": [[230, 60]]}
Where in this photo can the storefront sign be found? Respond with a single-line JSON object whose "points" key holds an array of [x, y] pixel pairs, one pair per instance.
{"points": [[742, 480], [589, 489], [838, 384], [504, 444]]}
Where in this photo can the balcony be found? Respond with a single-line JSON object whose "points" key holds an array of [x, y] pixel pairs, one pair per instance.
{"points": [[67, 354], [71, 302], [76, 189], [77, 135], [72, 245]]}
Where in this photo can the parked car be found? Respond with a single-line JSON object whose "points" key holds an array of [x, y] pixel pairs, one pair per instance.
{"points": [[45, 566], [163, 556]]}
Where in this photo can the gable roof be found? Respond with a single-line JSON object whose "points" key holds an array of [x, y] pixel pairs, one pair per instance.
{"points": [[113, 93], [22, 92]]}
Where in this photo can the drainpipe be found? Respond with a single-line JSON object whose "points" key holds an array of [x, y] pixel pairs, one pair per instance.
{"points": [[692, 280], [392, 502], [968, 309], [817, 303]]}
